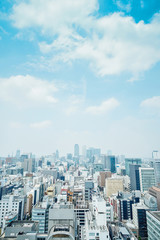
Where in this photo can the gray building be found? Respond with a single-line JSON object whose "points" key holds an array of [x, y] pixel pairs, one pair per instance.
{"points": [[21, 230], [89, 186], [129, 161], [110, 163], [40, 214], [62, 222], [29, 165]]}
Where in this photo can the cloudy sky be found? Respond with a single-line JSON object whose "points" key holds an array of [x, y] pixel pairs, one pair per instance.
{"points": [[80, 71]]}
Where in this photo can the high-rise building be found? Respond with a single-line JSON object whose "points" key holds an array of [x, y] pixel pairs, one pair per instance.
{"points": [[57, 154], [12, 204], [134, 176], [129, 161], [153, 225], [40, 214], [113, 185], [147, 178], [139, 219], [92, 152], [156, 165], [18, 154], [110, 163], [89, 185], [95, 221], [29, 165], [155, 154], [102, 177], [76, 150], [125, 200]]}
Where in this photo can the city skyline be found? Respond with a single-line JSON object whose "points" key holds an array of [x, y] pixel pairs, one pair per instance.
{"points": [[83, 72]]}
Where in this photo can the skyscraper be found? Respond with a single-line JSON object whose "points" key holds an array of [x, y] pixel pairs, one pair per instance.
{"points": [[129, 161], [134, 176], [147, 178], [156, 165], [109, 163], [76, 150]]}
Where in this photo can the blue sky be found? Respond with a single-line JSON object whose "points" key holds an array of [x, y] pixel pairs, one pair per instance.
{"points": [[83, 71]]}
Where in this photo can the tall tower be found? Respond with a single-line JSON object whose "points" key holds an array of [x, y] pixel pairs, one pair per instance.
{"points": [[76, 150]]}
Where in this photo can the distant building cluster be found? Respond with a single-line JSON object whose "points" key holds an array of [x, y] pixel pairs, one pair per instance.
{"points": [[88, 196]]}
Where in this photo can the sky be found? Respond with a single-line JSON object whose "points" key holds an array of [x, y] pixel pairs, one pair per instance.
{"points": [[80, 71]]}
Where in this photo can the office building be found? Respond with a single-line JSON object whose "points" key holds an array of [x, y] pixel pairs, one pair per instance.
{"points": [[125, 201], [12, 204], [113, 186], [129, 161], [95, 221], [109, 212], [155, 154], [98, 167], [40, 214], [76, 150], [110, 163], [155, 163], [21, 230], [92, 152], [139, 219], [134, 177], [102, 177], [29, 165], [62, 222], [89, 186], [147, 178]]}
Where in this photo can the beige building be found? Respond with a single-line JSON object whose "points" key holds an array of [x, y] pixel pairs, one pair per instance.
{"points": [[102, 178], [113, 185], [29, 204], [51, 191]]}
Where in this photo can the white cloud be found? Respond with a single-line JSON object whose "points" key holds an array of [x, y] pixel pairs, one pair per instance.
{"points": [[152, 103], [122, 6], [111, 44], [52, 16], [39, 125], [24, 90], [104, 107]]}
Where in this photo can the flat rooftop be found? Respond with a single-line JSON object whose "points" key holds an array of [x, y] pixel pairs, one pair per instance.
{"points": [[21, 224]]}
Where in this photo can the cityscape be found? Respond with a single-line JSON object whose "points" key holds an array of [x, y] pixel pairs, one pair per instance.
{"points": [[82, 195], [80, 120]]}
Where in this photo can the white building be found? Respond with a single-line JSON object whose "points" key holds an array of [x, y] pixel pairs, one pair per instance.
{"points": [[12, 204], [95, 221], [109, 212], [147, 178]]}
